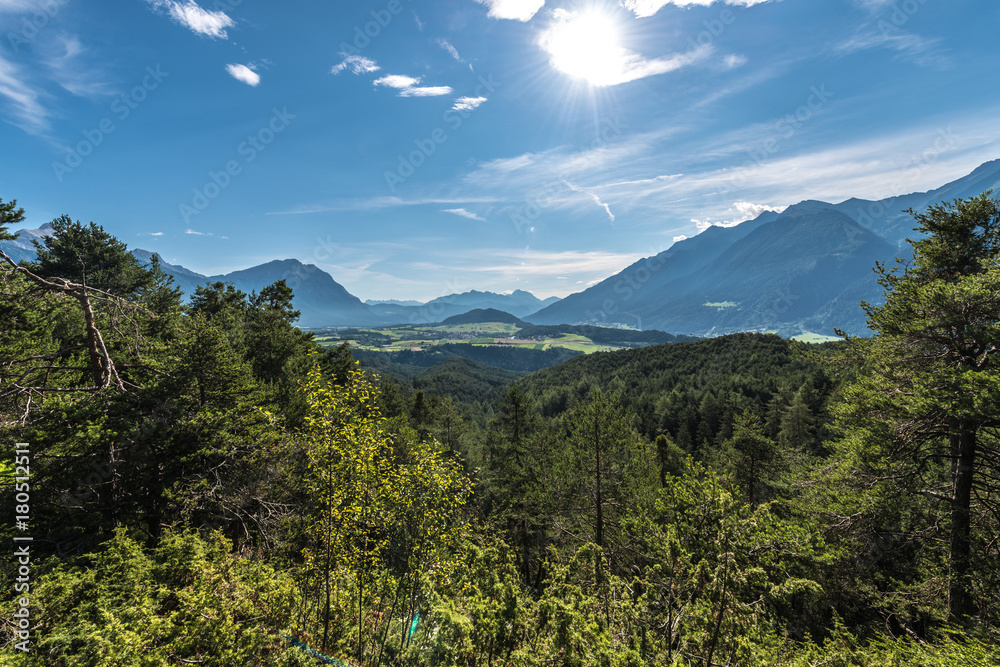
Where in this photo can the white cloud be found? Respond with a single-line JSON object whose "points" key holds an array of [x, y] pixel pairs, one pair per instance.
{"points": [[467, 103], [400, 81], [679, 238], [30, 115], [644, 8], [357, 65], [244, 74], [517, 10], [426, 91], [749, 210], [741, 212], [407, 86], [156, 233], [464, 213], [452, 51], [200, 21]]}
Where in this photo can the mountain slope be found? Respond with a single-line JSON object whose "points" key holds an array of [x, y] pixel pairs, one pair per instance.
{"points": [[321, 300], [616, 298], [777, 276], [771, 273], [888, 219]]}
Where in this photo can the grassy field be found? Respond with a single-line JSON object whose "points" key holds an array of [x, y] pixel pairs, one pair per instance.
{"points": [[394, 339]]}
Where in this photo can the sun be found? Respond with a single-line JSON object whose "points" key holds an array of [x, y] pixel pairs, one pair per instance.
{"points": [[586, 46]]}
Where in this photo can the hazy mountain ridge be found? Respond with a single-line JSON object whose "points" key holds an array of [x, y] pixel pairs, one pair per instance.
{"points": [[518, 303]]}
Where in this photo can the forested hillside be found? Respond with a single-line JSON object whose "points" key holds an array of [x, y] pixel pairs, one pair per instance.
{"points": [[205, 484]]}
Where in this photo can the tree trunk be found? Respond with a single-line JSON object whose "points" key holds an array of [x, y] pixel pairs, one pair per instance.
{"points": [[93, 340], [959, 600]]}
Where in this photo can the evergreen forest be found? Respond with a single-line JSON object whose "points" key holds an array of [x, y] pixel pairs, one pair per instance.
{"points": [[209, 485]]}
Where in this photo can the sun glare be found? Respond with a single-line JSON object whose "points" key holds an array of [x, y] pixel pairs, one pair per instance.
{"points": [[586, 46]]}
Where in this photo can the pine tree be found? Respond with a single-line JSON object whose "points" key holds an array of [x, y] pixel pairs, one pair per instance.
{"points": [[607, 469], [751, 458], [88, 255], [516, 473], [798, 425], [10, 214], [929, 381]]}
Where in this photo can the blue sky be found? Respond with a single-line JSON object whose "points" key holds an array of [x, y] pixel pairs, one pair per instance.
{"points": [[414, 148]]}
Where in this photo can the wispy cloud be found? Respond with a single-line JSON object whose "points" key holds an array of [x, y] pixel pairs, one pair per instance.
{"points": [[593, 197], [244, 74], [447, 46], [734, 60], [197, 233], [68, 67], [378, 203], [195, 18], [582, 265], [918, 50], [356, 64], [467, 103], [508, 164], [464, 213], [644, 8], [408, 86], [22, 99], [874, 5], [517, 10]]}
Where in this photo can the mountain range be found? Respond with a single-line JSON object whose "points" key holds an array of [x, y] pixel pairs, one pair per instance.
{"points": [[322, 301], [805, 269]]}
